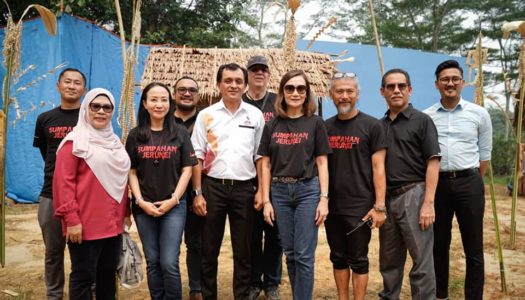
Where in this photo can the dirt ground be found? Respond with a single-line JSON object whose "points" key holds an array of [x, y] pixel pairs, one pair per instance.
{"points": [[23, 273]]}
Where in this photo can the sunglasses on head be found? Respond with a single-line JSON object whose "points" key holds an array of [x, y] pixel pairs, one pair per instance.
{"points": [[95, 107], [344, 75], [290, 89]]}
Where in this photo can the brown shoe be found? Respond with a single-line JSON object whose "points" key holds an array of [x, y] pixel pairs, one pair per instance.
{"points": [[196, 296]]}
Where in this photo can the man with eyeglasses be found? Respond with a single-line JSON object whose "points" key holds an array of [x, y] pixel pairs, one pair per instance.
{"points": [[465, 137], [267, 257], [186, 97], [50, 128], [412, 167], [358, 152]]}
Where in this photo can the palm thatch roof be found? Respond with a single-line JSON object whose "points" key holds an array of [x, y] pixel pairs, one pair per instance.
{"points": [[166, 65]]}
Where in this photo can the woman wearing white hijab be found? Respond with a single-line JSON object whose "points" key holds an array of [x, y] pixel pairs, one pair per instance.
{"points": [[90, 196]]}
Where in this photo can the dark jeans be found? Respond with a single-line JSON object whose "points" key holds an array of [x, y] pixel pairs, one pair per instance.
{"points": [[192, 239], [266, 262], [55, 244], [94, 262], [295, 205], [161, 238], [236, 202], [465, 197]]}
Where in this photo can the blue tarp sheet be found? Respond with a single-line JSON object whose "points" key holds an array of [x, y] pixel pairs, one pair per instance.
{"points": [[98, 54], [419, 65], [80, 45]]}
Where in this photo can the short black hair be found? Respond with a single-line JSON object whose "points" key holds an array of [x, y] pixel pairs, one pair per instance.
{"points": [[394, 71], [231, 67], [72, 70], [182, 78], [448, 64]]}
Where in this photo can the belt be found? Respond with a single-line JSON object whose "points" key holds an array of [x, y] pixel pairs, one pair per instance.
{"points": [[287, 179], [457, 174], [230, 182], [402, 189]]}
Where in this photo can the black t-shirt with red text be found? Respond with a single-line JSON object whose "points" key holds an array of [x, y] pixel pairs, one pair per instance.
{"points": [[159, 161], [268, 101], [293, 145], [353, 143], [50, 129]]}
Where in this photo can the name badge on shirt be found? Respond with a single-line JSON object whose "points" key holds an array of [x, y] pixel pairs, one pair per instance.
{"points": [[247, 123]]}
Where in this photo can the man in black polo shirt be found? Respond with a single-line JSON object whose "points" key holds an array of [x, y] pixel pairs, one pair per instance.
{"points": [[186, 96], [50, 128], [267, 260], [412, 167]]}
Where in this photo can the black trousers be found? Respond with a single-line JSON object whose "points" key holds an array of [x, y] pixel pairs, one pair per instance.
{"points": [[94, 261], [266, 257], [236, 202], [465, 197]]}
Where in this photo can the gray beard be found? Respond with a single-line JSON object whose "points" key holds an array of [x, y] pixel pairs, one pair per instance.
{"points": [[344, 109]]}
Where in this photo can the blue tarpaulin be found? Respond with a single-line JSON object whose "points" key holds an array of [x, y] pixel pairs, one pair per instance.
{"points": [[79, 44]]}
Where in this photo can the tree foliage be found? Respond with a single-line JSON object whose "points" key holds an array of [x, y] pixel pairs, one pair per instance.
{"points": [[197, 23]]}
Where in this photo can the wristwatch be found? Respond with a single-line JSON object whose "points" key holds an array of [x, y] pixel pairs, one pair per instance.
{"points": [[324, 194], [380, 208], [197, 192]]}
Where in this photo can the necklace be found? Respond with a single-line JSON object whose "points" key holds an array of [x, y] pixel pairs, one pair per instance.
{"points": [[156, 162]]}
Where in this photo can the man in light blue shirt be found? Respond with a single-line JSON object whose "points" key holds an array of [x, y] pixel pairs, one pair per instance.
{"points": [[465, 139]]}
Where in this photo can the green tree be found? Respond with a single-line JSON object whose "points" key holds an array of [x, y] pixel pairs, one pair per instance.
{"points": [[197, 23]]}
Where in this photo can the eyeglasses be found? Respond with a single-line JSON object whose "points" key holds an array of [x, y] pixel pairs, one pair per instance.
{"points": [[191, 90], [344, 75], [392, 87], [256, 69], [95, 107], [290, 89], [446, 80]]}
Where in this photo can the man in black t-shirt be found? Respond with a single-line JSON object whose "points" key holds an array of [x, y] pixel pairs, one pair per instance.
{"points": [[412, 167], [51, 127], [186, 96], [267, 260], [356, 187]]}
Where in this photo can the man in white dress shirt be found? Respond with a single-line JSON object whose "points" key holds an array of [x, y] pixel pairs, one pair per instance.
{"points": [[226, 138]]}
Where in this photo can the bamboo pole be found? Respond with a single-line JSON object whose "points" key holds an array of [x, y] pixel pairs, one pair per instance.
{"points": [[376, 36], [480, 92], [3, 147], [521, 30]]}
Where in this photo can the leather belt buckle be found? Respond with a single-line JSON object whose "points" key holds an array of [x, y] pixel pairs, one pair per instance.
{"points": [[227, 181]]}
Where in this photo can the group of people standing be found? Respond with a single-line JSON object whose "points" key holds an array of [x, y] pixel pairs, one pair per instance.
{"points": [[277, 171]]}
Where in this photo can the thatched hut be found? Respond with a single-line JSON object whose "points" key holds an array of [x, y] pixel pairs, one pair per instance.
{"points": [[166, 65]]}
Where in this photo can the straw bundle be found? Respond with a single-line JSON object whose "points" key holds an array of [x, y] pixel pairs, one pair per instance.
{"points": [[166, 65], [290, 36]]}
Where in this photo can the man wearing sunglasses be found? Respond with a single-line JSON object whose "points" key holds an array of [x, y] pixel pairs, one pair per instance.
{"points": [[51, 127], [412, 168], [465, 138], [358, 152], [267, 258], [186, 97]]}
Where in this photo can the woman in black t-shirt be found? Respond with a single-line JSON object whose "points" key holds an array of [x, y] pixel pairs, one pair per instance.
{"points": [[294, 148], [161, 159]]}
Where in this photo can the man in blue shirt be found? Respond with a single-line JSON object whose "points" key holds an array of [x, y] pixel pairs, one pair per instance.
{"points": [[465, 139]]}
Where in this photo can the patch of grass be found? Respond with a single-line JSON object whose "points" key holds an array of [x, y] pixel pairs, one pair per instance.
{"points": [[498, 179], [455, 287]]}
